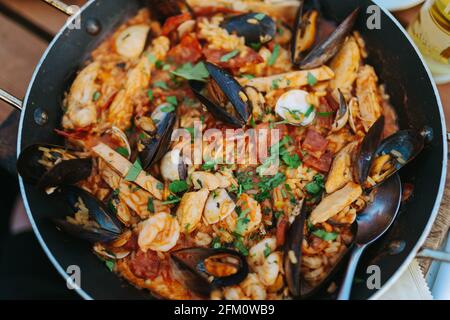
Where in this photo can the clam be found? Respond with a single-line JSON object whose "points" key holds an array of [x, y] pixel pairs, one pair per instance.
{"points": [[226, 99], [173, 166], [49, 166], [205, 269], [293, 106], [156, 144], [342, 114], [93, 221], [256, 28], [122, 137], [328, 48]]}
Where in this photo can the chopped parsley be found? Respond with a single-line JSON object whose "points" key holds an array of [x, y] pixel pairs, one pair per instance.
{"points": [[229, 56], [172, 100], [96, 96], [248, 76], [134, 171], [240, 246], [171, 200], [123, 151], [190, 72], [316, 186], [325, 114], [242, 221], [255, 46], [159, 186], [273, 58], [327, 236], [267, 251], [209, 165], [178, 186], [312, 80], [151, 58], [309, 111], [215, 243], [150, 95], [259, 16], [168, 109], [110, 264], [150, 205], [276, 84], [292, 161], [161, 84]]}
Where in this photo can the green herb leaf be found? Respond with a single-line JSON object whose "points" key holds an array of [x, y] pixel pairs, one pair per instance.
{"points": [[292, 161], [150, 205], [172, 100], [327, 236], [123, 151], [168, 109], [178, 186], [316, 186], [248, 76], [159, 64], [161, 84], [209, 165], [273, 58], [259, 16], [189, 72], [134, 171], [255, 46], [239, 245], [171, 200], [96, 96], [312, 80], [309, 111], [151, 58], [267, 251], [325, 114], [150, 95], [159, 186], [110, 265], [228, 56], [215, 243]]}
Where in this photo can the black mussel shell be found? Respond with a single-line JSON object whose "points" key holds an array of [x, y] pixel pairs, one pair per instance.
{"points": [[367, 150], [403, 146], [303, 26], [256, 28], [109, 227], [294, 240], [297, 285], [66, 172], [192, 265], [329, 47], [156, 146], [163, 9], [231, 89]]}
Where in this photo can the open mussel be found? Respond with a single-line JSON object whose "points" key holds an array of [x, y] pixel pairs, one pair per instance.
{"points": [[298, 285], [157, 142], [163, 9], [394, 153], [204, 269], [226, 100], [367, 149], [256, 28], [342, 115], [91, 220], [49, 166], [305, 31]]}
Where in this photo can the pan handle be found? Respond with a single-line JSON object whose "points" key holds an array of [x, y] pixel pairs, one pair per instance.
{"points": [[434, 255], [11, 100], [61, 6]]}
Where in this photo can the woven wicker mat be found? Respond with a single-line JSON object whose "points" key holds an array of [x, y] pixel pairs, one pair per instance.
{"points": [[441, 226]]}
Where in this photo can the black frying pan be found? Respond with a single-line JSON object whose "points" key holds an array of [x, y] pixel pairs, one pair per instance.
{"points": [[398, 65]]}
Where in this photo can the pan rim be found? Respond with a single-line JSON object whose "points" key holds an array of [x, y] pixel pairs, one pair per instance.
{"points": [[396, 275]]}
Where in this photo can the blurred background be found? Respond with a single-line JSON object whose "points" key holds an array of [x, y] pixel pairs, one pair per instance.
{"points": [[26, 28]]}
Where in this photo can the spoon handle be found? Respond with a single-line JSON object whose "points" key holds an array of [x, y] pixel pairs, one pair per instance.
{"points": [[346, 287]]}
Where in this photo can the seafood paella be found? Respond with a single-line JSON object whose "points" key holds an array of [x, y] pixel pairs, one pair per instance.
{"points": [[223, 150]]}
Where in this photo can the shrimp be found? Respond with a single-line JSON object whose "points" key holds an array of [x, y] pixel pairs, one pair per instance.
{"points": [[122, 108], [265, 261], [218, 206], [190, 211], [202, 179], [251, 210], [81, 111], [160, 232]]}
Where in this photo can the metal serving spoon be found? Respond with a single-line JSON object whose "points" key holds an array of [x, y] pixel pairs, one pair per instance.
{"points": [[372, 223]]}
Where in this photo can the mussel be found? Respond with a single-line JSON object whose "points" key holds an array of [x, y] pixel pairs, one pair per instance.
{"points": [[227, 100], [93, 221], [305, 33], [157, 143], [256, 28], [366, 152], [49, 166], [204, 269], [394, 153], [299, 287], [163, 9], [342, 115]]}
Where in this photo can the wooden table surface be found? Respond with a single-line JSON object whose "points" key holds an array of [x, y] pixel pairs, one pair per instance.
{"points": [[27, 25]]}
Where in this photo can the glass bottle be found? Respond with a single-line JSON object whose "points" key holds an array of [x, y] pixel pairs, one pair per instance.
{"points": [[431, 33]]}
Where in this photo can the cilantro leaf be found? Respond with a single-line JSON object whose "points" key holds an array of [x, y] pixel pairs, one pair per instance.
{"points": [[150, 205], [123, 151], [178, 186], [172, 100], [134, 171], [327, 236], [189, 72], [273, 58], [312, 80], [229, 56], [316, 186], [292, 161], [161, 84]]}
